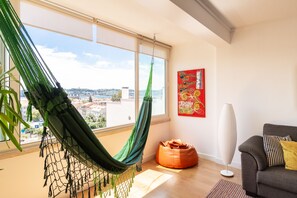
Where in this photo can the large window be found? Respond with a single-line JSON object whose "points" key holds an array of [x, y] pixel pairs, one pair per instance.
{"points": [[103, 71], [98, 79]]}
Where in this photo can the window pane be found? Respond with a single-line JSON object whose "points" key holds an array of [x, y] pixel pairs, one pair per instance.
{"points": [[98, 79], [158, 88]]}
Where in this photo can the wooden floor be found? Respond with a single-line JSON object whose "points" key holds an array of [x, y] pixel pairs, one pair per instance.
{"points": [[155, 181], [192, 182]]}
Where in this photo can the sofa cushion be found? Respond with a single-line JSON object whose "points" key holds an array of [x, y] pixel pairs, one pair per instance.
{"points": [[278, 177], [290, 154], [280, 130], [273, 149], [271, 192]]}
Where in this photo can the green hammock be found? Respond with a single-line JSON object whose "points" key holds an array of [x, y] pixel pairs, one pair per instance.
{"points": [[80, 162]]}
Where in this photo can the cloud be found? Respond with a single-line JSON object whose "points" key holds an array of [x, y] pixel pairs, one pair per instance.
{"points": [[50, 52], [158, 75], [102, 64], [73, 73], [91, 55]]}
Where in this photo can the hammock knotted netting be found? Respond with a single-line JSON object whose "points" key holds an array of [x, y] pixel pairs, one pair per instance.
{"points": [[75, 160]]}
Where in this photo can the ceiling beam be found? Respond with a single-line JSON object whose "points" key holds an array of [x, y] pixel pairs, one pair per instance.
{"points": [[205, 13]]}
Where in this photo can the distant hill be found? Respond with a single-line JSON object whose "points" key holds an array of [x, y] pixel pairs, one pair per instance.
{"points": [[105, 93]]}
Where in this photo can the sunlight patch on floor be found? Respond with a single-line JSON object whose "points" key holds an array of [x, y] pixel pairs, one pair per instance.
{"points": [[169, 169], [146, 182]]}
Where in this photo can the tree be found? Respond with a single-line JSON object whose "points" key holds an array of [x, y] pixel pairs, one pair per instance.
{"points": [[101, 121], [36, 117], [90, 99], [117, 96], [95, 122], [90, 118]]}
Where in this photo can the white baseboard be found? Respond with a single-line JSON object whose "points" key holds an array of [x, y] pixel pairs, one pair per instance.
{"points": [[201, 155], [218, 161]]}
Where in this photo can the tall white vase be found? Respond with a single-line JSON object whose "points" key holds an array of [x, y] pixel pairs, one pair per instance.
{"points": [[227, 137]]}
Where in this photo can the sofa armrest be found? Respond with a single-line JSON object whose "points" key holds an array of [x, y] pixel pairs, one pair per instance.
{"points": [[254, 147]]}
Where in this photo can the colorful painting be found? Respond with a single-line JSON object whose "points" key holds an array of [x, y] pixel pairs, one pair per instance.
{"points": [[191, 93]]}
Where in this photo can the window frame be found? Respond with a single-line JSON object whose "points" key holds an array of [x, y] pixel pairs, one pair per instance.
{"points": [[8, 64]]}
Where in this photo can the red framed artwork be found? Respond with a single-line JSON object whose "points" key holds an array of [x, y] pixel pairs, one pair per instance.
{"points": [[191, 93]]}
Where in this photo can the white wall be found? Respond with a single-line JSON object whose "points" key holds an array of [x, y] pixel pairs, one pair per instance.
{"points": [[257, 73], [23, 176], [201, 132]]}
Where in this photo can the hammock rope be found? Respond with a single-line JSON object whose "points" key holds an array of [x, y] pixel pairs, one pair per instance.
{"points": [[75, 160]]}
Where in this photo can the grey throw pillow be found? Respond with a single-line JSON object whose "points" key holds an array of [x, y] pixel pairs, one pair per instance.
{"points": [[273, 149]]}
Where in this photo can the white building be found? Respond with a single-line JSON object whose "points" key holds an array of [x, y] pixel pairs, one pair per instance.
{"points": [[123, 112]]}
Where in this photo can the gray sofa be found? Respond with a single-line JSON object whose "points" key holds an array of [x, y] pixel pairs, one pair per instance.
{"points": [[259, 180]]}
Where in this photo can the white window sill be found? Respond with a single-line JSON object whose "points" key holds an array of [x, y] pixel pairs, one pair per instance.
{"points": [[6, 153]]}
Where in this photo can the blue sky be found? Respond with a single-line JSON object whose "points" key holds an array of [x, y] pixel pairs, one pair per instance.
{"points": [[78, 46], [86, 64]]}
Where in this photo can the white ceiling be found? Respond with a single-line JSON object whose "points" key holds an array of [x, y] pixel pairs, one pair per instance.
{"points": [[145, 17], [171, 24], [249, 12]]}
